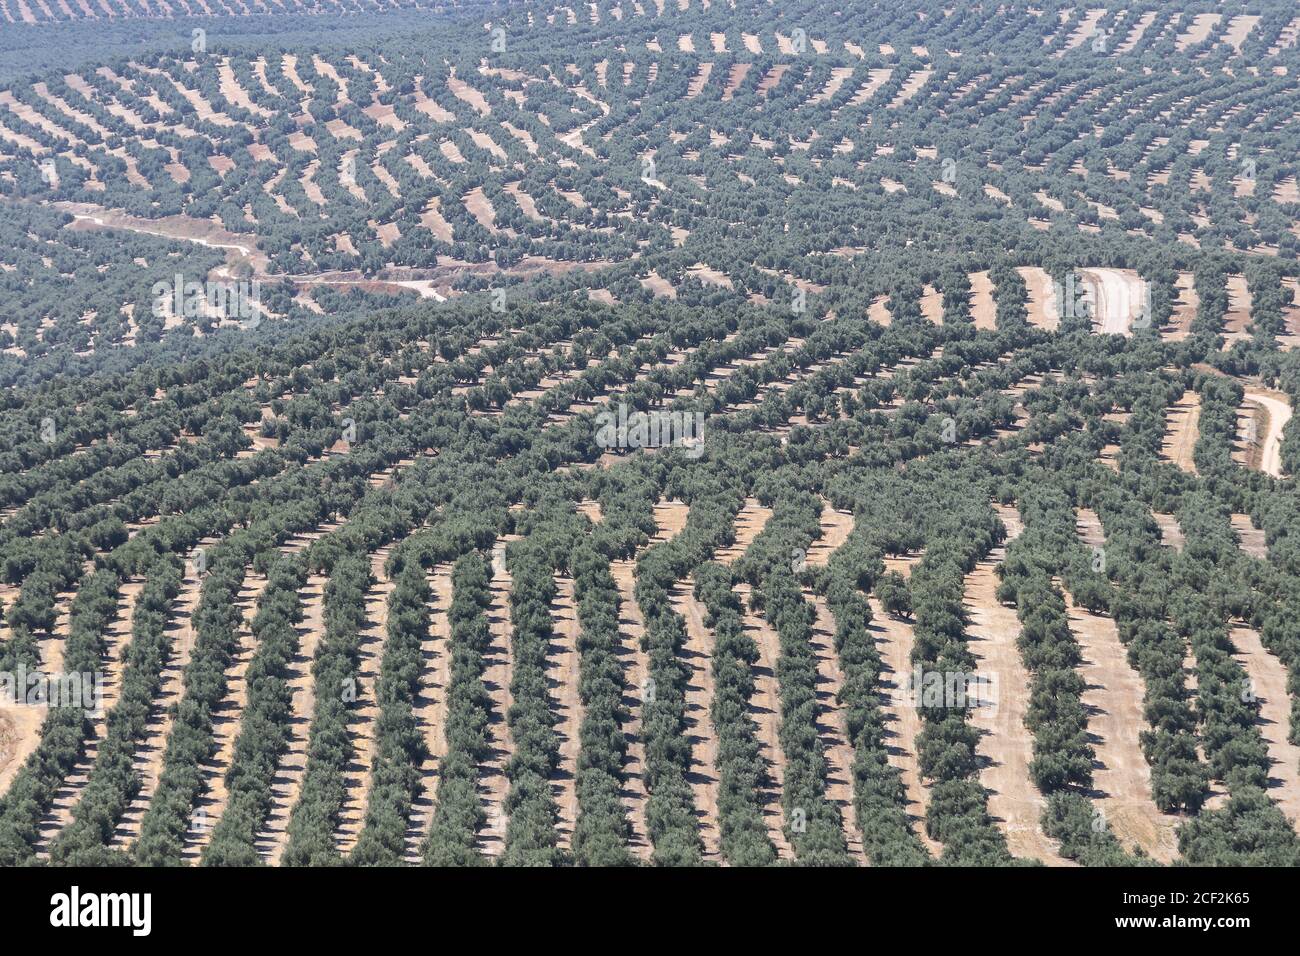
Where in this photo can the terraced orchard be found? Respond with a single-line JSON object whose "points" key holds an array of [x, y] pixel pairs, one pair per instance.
{"points": [[650, 433]]}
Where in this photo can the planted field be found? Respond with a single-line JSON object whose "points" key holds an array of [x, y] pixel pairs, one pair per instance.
{"points": [[626, 433]]}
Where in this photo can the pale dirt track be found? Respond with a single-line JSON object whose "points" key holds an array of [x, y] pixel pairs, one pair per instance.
{"points": [[1251, 539], [751, 520], [831, 728], [698, 657], [274, 836], [670, 518], [1117, 297], [700, 692], [1114, 699], [1089, 528], [1121, 776], [20, 732], [363, 722], [1236, 323], [148, 762], [1171, 535], [982, 307], [765, 711], [226, 721], [562, 664], [1276, 410], [836, 527], [118, 640], [1185, 309], [636, 672], [1268, 682], [894, 640], [932, 305], [1042, 298], [1182, 428], [431, 707], [1005, 745], [498, 671]]}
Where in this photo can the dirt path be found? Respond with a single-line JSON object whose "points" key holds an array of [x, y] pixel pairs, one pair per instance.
{"points": [[751, 520], [274, 836], [836, 527], [226, 721], [983, 309], [431, 708], [697, 654], [1182, 428], [765, 710], [20, 732], [1250, 539], [117, 637], [498, 671], [1005, 746], [1236, 324], [1118, 298], [1185, 309], [363, 724], [1268, 682], [1273, 411], [894, 639], [636, 672], [148, 762], [831, 728], [1217, 794], [1121, 776], [562, 678], [1041, 306], [670, 519], [1088, 526], [1171, 534], [51, 644]]}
